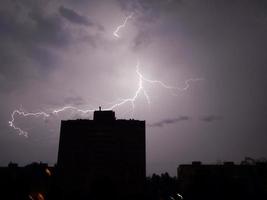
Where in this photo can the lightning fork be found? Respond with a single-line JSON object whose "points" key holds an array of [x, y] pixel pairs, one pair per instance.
{"points": [[116, 32], [140, 90]]}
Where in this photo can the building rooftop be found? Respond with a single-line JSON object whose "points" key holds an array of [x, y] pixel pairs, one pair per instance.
{"points": [[104, 115]]}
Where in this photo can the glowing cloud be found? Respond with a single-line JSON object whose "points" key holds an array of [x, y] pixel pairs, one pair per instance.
{"points": [[140, 90]]}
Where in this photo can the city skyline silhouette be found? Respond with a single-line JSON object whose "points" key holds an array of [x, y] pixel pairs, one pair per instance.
{"points": [[186, 78]]}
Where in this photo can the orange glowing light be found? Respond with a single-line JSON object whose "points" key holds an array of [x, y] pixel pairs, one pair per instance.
{"points": [[36, 196], [48, 172], [40, 196]]}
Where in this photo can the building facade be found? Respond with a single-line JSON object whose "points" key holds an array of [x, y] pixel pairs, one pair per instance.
{"points": [[102, 158]]}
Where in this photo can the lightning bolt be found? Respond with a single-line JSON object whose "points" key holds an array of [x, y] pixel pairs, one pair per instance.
{"points": [[24, 114], [40, 114], [139, 91], [116, 32]]}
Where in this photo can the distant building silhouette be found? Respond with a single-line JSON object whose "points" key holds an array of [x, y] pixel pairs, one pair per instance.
{"points": [[34, 181], [223, 181], [103, 158]]}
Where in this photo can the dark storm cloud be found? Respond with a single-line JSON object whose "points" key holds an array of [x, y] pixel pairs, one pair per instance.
{"points": [[32, 36], [48, 30], [169, 121], [74, 101], [142, 39], [29, 35], [211, 23], [36, 28], [211, 118], [74, 17], [150, 10], [146, 14]]}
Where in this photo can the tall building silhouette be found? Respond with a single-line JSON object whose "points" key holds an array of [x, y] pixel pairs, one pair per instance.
{"points": [[102, 158]]}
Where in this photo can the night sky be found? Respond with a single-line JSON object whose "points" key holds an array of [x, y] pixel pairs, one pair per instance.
{"points": [[64, 53]]}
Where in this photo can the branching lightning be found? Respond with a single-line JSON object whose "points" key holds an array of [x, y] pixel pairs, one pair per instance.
{"points": [[131, 100], [140, 90], [116, 32], [24, 114], [39, 114]]}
